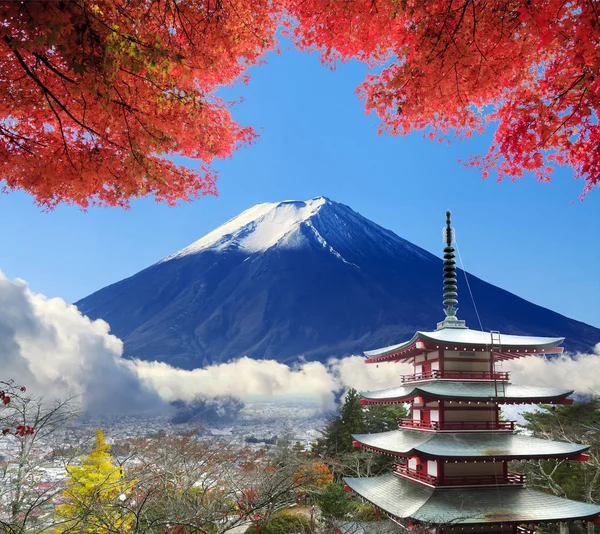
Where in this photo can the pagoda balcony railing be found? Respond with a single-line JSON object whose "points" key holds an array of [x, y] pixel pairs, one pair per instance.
{"points": [[456, 425], [509, 479], [456, 375], [485, 480], [403, 471]]}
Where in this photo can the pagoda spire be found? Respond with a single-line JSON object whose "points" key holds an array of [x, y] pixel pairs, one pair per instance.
{"points": [[450, 287]]}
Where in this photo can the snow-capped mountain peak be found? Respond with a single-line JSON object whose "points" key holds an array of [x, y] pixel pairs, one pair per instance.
{"points": [[259, 227], [291, 280]]}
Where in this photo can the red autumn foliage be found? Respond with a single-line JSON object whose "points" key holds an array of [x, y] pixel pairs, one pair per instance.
{"points": [[454, 66], [8, 395], [96, 94]]}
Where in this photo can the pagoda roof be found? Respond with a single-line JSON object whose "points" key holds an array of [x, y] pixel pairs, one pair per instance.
{"points": [[468, 445], [468, 391], [465, 339], [405, 499]]}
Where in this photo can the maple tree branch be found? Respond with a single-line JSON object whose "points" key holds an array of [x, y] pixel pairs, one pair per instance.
{"points": [[46, 62], [48, 92], [563, 122], [559, 97], [12, 137], [62, 132]]}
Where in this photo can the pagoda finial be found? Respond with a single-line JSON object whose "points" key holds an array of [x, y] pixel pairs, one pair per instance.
{"points": [[450, 294]]}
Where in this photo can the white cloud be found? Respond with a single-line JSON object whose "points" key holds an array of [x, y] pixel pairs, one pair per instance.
{"points": [[245, 378], [268, 379], [56, 352], [579, 372], [51, 347]]}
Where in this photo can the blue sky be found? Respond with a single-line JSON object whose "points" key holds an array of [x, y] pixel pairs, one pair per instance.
{"points": [[536, 240]]}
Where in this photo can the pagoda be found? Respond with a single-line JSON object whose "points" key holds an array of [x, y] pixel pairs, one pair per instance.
{"points": [[453, 452]]}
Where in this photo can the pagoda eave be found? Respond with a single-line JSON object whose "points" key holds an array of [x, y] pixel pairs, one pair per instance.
{"points": [[473, 446], [499, 400], [401, 354], [404, 499], [475, 459], [466, 392], [465, 341]]}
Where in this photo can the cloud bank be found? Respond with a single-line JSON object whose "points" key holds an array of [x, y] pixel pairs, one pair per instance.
{"points": [[56, 352], [51, 347], [579, 372], [267, 379]]}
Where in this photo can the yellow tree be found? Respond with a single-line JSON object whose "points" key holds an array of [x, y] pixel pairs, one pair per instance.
{"points": [[96, 495]]}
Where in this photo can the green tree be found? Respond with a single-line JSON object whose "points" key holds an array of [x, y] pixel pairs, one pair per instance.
{"points": [[333, 501], [356, 418], [383, 417], [337, 435], [283, 523], [578, 423]]}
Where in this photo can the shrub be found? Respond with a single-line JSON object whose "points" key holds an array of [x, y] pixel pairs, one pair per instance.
{"points": [[364, 512], [283, 523]]}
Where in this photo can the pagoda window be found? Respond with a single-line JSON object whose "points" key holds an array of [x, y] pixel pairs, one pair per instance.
{"points": [[435, 366], [413, 463], [416, 414], [434, 415], [418, 369], [432, 468]]}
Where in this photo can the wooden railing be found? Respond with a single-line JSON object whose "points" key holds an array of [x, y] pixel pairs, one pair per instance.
{"points": [[456, 425], [403, 471], [485, 480], [466, 480], [456, 375]]}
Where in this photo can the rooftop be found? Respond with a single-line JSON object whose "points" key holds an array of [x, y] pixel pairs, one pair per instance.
{"points": [[408, 500], [466, 339], [468, 445], [468, 391]]}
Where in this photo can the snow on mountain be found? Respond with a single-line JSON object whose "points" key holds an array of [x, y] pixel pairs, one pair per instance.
{"points": [[295, 279], [258, 228], [284, 224]]}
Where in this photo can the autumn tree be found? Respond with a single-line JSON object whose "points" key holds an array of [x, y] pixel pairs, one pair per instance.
{"points": [[96, 93], [455, 66], [12, 399], [97, 96], [29, 424], [310, 479], [96, 495], [207, 486]]}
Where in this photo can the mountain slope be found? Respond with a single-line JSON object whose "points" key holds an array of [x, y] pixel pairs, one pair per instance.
{"points": [[300, 279]]}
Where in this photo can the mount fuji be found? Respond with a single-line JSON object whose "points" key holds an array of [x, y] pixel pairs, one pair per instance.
{"points": [[292, 280]]}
